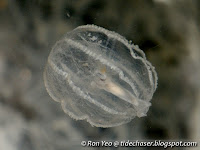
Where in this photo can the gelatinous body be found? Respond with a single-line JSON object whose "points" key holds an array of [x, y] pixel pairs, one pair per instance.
{"points": [[97, 75]]}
